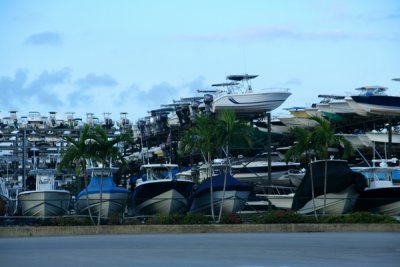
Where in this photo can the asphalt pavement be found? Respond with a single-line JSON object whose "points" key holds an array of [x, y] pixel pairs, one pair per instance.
{"points": [[211, 249]]}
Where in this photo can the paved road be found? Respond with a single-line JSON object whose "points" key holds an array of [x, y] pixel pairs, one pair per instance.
{"points": [[176, 250]]}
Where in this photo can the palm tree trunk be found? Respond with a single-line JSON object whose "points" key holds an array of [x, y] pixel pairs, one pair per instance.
{"points": [[101, 198], [312, 190], [87, 199], [224, 187], [211, 186], [325, 185]]}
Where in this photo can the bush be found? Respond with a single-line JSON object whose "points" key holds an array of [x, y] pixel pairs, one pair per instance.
{"points": [[280, 216], [232, 218]]}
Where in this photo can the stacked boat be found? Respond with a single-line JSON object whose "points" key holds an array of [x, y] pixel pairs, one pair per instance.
{"points": [[159, 191], [46, 200], [102, 197]]}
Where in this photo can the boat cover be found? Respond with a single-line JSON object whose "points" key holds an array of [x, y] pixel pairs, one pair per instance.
{"points": [[108, 186], [218, 184], [339, 177]]}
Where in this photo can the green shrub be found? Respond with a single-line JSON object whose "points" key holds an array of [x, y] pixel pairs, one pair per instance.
{"points": [[232, 218], [366, 217], [279, 216]]}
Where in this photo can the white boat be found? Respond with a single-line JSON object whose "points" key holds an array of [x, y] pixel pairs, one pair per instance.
{"points": [[335, 203], [102, 196], [296, 176], [358, 140], [238, 96], [281, 197], [159, 191], [381, 195], [336, 197], [383, 136], [232, 200], [292, 121], [46, 200], [255, 171]]}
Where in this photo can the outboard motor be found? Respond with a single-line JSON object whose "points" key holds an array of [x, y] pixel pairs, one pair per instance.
{"points": [[208, 99], [195, 110]]}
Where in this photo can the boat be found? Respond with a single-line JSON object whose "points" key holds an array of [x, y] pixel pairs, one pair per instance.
{"points": [[5, 203], [296, 176], [342, 188], [234, 198], [47, 199], [373, 100], [281, 197], [357, 140], [381, 195], [238, 96], [255, 171], [335, 108], [159, 191], [110, 202], [383, 136]]}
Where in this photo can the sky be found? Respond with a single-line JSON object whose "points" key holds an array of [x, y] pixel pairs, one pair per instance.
{"points": [[132, 56]]}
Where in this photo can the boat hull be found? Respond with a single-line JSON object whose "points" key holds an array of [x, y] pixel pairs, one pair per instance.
{"points": [[379, 104], [336, 203], [250, 103], [234, 201], [380, 200], [4, 205], [166, 196], [44, 203], [107, 205]]}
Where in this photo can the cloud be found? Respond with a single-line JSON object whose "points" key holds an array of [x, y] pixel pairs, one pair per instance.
{"points": [[92, 80], [159, 94], [17, 92], [277, 32], [44, 38]]}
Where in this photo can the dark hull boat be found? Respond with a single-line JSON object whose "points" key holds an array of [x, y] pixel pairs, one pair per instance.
{"points": [[381, 195], [234, 198], [159, 191], [342, 188]]}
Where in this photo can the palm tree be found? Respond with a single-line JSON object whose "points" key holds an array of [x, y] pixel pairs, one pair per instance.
{"points": [[79, 151], [324, 137], [318, 140], [104, 151], [303, 145], [203, 137], [230, 130]]}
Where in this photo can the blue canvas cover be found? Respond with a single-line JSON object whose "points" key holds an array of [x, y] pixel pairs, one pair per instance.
{"points": [[108, 186], [218, 184]]}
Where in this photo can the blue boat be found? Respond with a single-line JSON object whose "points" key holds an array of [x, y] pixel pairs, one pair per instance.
{"points": [[234, 198], [112, 200]]}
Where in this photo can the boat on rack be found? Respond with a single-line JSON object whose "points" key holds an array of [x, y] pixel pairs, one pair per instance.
{"points": [[102, 196], [210, 193], [381, 195], [159, 191], [238, 95], [373, 100], [342, 188], [383, 136], [255, 171], [47, 199]]}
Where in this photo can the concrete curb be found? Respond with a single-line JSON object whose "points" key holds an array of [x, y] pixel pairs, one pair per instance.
{"points": [[28, 231]]}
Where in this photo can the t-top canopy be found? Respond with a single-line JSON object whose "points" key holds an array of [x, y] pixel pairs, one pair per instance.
{"points": [[241, 77]]}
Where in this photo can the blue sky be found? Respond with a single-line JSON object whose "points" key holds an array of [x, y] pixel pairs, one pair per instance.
{"points": [[132, 56]]}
